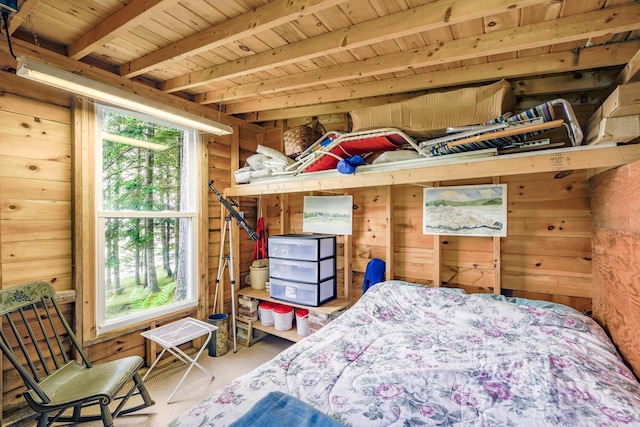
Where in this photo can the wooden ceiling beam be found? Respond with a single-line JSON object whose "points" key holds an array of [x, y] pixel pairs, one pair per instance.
{"points": [[574, 82], [126, 18], [552, 63], [325, 109], [422, 18], [565, 83], [272, 14], [545, 33], [22, 15]]}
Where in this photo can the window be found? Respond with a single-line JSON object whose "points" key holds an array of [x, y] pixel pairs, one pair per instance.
{"points": [[146, 218]]}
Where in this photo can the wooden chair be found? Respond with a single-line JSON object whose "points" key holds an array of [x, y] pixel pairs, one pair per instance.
{"points": [[60, 380]]}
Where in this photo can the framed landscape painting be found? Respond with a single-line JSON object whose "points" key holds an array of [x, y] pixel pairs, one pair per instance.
{"points": [[469, 210], [328, 214]]}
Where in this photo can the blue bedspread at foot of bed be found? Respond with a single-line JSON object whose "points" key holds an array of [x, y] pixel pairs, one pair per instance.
{"points": [[276, 407]]}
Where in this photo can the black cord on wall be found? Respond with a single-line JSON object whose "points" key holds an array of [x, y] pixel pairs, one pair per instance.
{"points": [[5, 18]]}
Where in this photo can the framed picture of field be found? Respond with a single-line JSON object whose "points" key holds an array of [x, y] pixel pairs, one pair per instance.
{"points": [[469, 210], [328, 214]]}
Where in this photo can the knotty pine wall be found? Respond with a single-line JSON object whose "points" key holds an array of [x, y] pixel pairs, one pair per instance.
{"points": [[546, 254], [616, 251], [35, 192], [35, 200], [244, 142]]}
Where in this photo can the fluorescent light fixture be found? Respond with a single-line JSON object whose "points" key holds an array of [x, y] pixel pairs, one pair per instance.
{"points": [[132, 141], [68, 81]]}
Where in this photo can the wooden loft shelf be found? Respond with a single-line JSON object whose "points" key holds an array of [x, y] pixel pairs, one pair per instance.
{"points": [[328, 307], [443, 169]]}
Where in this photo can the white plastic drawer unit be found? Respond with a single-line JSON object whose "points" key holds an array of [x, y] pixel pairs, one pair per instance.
{"points": [[302, 271], [303, 293], [304, 247]]}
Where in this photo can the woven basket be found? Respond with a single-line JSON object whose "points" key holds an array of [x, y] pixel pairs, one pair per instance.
{"points": [[299, 138]]}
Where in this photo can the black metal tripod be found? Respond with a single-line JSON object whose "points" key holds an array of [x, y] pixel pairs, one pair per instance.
{"points": [[225, 260]]}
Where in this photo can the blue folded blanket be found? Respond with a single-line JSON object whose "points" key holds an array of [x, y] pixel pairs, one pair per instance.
{"points": [[277, 409]]}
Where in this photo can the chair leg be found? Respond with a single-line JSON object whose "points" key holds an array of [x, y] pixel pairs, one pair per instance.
{"points": [[44, 418], [77, 412], [144, 393], [107, 418]]}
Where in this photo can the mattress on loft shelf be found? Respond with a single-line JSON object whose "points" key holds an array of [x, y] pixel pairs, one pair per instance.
{"points": [[408, 354]]}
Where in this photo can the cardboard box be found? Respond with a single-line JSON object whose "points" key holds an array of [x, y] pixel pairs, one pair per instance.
{"points": [[618, 118], [631, 72], [317, 320], [248, 314], [319, 317], [242, 334], [593, 122], [434, 112], [249, 303], [337, 314], [624, 101], [614, 129]]}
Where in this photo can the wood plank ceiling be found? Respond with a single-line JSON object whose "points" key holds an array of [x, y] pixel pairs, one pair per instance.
{"points": [[264, 60]]}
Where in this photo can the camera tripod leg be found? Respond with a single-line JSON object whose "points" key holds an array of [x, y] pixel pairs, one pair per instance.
{"points": [[223, 262], [233, 285]]}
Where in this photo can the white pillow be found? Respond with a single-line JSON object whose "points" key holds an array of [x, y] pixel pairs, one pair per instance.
{"points": [[243, 175], [256, 161], [275, 155]]}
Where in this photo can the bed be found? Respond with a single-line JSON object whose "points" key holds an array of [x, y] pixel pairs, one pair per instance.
{"points": [[409, 354]]}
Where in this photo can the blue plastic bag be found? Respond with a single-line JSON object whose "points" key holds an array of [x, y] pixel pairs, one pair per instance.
{"points": [[349, 165]]}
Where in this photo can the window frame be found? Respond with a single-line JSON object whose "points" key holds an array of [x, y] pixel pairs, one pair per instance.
{"points": [[100, 216]]}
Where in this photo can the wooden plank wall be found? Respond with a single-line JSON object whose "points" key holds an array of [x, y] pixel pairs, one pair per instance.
{"points": [[35, 192], [221, 156], [546, 254], [35, 200], [616, 257]]}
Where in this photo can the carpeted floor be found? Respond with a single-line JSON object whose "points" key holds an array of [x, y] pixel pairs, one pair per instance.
{"points": [[197, 385]]}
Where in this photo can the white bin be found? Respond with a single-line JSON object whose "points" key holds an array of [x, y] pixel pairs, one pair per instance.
{"points": [[283, 317], [302, 321], [265, 311]]}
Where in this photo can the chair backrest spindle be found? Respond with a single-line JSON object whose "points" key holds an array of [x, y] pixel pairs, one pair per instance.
{"points": [[64, 354], [34, 339], [39, 346], [22, 345], [30, 376]]}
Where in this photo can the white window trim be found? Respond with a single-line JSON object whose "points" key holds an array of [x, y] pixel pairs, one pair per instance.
{"points": [[102, 326]]}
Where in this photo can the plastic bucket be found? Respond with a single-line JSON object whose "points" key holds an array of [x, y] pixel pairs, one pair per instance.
{"points": [[283, 317], [265, 312], [302, 321], [259, 275], [218, 344]]}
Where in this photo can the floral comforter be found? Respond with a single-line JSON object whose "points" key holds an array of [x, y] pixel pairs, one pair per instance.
{"points": [[414, 355]]}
